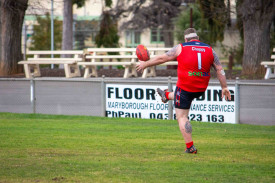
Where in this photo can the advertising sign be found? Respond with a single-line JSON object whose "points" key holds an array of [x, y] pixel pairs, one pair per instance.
{"points": [[142, 101], [211, 107], [135, 101]]}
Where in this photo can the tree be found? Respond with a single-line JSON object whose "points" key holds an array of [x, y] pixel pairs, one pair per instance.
{"points": [[67, 32], [256, 17], [215, 13], [158, 14], [42, 36], [208, 18], [199, 23], [107, 35], [12, 17]]}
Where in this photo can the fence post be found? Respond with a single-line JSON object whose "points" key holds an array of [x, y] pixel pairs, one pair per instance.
{"points": [[237, 101], [170, 104], [103, 96], [33, 99]]}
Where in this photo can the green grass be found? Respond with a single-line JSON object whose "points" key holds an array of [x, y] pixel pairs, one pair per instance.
{"points": [[53, 148]]}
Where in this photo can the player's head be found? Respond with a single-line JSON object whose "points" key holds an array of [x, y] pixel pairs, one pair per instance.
{"points": [[190, 34]]}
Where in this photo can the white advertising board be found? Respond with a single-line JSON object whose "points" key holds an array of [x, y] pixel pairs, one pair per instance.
{"points": [[136, 101], [142, 101], [210, 107]]}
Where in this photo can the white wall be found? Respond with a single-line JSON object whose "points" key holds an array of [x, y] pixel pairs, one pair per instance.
{"points": [[40, 7]]}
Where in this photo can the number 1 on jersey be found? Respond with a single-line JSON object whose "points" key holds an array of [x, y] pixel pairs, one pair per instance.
{"points": [[199, 61]]}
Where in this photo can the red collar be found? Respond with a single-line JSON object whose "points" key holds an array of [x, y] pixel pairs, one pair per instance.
{"points": [[194, 40]]}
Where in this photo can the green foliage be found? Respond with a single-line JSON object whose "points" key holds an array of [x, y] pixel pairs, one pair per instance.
{"points": [[79, 3], [41, 38], [55, 148], [199, 23], [210, 26], [215, 13], [107, 36], [108, 3]]}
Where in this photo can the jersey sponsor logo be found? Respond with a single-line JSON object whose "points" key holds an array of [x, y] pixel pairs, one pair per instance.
{"points": [[204, 74], [198, 49]]}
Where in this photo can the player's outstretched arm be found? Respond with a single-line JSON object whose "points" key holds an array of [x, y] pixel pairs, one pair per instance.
{"points": [[160, 59], [221, 77]]}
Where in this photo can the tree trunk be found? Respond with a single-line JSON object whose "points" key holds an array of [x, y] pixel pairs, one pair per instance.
{"points": [[256, 46], [169, 41], [67, 36], [12, 17], [257, 17], [228, 13]]}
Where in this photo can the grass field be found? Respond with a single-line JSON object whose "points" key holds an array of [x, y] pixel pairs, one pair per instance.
{"points": [[53, 148]]}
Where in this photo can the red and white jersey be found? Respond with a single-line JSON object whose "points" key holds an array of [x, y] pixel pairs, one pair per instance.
{"points": [[194, 63]]}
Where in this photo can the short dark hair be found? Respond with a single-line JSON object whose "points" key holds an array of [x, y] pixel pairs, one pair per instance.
{"points": [[188, 31]]}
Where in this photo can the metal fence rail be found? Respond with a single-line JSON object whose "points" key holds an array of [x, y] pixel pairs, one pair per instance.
{"points": [[255, 101]]}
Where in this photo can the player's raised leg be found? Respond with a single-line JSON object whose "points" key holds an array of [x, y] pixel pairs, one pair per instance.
{"points": [[186, 129]]}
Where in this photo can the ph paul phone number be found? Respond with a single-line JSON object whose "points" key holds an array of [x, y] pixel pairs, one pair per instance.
{"points": [[192, 117]]}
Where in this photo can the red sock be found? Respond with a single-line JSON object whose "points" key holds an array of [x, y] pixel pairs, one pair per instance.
{"points": [[167, 95], [189, 144]]}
